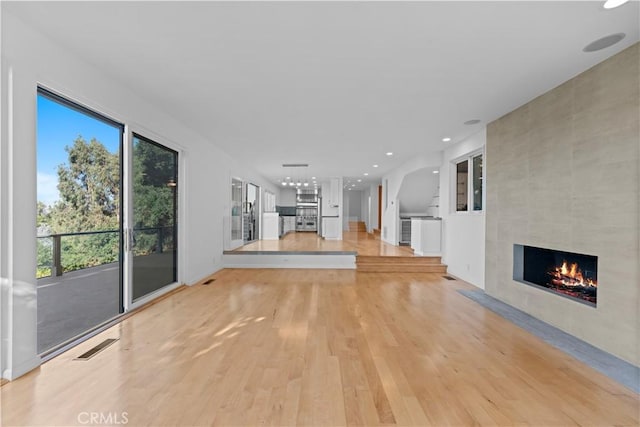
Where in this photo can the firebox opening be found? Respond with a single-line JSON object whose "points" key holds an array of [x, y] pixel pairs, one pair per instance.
{"points": [[568, 274]]}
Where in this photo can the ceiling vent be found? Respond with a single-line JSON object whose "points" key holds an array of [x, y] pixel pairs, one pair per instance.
{"points": [[295, 165]]}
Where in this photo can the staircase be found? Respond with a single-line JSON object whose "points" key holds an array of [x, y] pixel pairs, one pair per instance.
{"points": [[358, 226], [400, 264]]}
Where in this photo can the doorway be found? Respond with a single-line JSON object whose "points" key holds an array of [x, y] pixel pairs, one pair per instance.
{"points": [[107, 227]]}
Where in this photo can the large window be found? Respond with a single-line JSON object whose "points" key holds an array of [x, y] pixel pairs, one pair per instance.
{"points": [[468, 184]]}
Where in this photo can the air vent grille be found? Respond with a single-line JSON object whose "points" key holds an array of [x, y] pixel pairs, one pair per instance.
{"points": [[97, 349], [295, 165]]}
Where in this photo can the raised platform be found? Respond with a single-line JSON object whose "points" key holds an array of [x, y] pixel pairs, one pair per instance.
{"points": [[290, 259], [358, 250]]}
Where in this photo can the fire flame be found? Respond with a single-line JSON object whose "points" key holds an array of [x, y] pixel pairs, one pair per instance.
{"points": [[571, 275]]}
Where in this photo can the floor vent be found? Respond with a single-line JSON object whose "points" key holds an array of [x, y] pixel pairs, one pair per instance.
{"points": [[97, 349], [449, 277], [206, 282]]}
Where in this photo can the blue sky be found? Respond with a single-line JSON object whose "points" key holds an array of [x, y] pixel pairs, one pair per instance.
{"points": [[58, 126]]}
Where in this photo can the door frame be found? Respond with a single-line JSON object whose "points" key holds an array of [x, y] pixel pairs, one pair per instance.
{"points": [[127, 288], [258, 213], [234, 244]]}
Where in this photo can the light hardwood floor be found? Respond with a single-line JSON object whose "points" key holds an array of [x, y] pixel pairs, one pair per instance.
{"points": [[319, 347], [361, 242]]}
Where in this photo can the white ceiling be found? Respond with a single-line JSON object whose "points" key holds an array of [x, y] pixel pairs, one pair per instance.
{"points": [[334, 84]]}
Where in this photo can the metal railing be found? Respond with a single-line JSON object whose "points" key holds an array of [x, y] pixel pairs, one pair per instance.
{"points": [[57, 268]]}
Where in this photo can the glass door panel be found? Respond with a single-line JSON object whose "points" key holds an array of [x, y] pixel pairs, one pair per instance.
{"points": [[79, 229], [251, 213], [236, 213], [154, 234]]}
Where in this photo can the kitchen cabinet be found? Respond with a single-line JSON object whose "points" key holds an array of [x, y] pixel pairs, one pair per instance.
{"points": [[331, 197], [270, 225], [331, 228], [288, 224], [426, 235], [334, 199]]}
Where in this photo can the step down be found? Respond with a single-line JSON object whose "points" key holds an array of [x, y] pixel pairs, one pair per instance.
{"points": [[400, 264]]}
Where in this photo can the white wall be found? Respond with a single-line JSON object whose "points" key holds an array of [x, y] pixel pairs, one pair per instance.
{"points": [[417, 190], [364, 207], [28, 58], [287, 197], [355, 204], [373, 214], [393, 181], [463, 232]]}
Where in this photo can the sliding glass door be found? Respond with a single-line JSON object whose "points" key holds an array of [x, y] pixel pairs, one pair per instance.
{"points": [[79, 220], [106, 220], [154, 235]]}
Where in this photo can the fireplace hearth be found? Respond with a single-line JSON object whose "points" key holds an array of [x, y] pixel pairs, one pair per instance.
{"points": [[564, 273]]}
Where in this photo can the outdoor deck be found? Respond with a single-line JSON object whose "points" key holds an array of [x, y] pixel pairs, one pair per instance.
{"points": [[77, 301]]}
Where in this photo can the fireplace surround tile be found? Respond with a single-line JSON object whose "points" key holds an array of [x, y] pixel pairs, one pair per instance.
{"points": [[572, 182]]}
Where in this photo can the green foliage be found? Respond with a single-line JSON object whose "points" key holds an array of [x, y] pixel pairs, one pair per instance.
{"points": [[89, 186], [89, 250], [44, 257], [153, 198]]}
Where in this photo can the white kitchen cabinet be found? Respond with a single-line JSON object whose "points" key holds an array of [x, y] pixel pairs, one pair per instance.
{"points": [[334, 199], [289, 224], [331, 197], [331, 228], [270, 225], [426, 235]]}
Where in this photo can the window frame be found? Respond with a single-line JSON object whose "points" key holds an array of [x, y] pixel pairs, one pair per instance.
{"points": [[468, 158]]}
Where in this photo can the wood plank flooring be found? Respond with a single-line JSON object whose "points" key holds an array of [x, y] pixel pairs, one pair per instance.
{"points": [[319, 347]]}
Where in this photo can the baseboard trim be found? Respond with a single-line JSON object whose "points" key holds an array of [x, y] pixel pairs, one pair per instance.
{"points": [[23, 368]]}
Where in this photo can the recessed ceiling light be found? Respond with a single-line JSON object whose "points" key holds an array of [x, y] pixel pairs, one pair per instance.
{"points": [[288, 177], [366, 174], [447, 139], [284, 183], [603, 43], [611, 4], [353, 185], [359, 180], [313, 177], [436, 171], [472, 122], [389, 153], [375, 166], [292, 183]]}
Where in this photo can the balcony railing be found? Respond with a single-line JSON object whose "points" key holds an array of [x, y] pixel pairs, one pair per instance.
{"points": [[57, 253]]}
